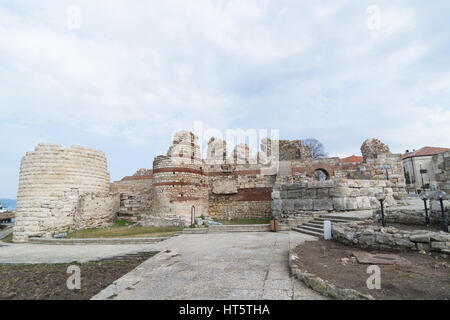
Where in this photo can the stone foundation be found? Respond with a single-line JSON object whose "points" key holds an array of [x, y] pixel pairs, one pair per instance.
{"points": [[410, 216], [390, 238], [334, 195]]}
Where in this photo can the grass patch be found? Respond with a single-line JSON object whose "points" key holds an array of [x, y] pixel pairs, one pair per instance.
{"points": [[126, 231], [8, 238], [124, 223], [243, 221]]}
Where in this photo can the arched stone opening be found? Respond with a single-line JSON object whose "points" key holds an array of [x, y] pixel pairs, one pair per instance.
{"points": [[320, 175], [320, 170]]}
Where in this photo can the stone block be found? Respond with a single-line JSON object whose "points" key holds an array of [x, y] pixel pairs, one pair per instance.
{"points": [[322, 205], [323, 193], [423, 246], [303, 204], [440, 245], [423, 238], [340, 204], [340, 192]]}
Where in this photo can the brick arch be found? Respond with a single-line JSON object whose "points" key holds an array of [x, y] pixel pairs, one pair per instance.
{"points": [[320, 166]]}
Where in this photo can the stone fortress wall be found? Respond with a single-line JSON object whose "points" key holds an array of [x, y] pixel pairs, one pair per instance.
{"points": [[69, 188], [60, 189], [136, 194], [348, 186], [235, 185]]}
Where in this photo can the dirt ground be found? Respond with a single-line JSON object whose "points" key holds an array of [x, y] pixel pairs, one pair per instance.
{"points": [[48, 281], [426, 278]]}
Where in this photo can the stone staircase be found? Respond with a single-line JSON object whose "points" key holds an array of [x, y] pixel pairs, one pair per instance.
{"points": [[315, 226]]}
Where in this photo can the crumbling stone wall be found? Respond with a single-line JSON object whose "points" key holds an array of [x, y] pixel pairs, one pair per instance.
{"points": [[441, 166], [283, 150], [178, 183], [304, 169], [237, 186], [306, 198], [52, 179], [136, 193], [390, 238], [96, 210], [406, 215], [371, 148]]}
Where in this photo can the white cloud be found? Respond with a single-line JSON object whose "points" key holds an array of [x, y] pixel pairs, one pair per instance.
{"points": [[134, 73]]}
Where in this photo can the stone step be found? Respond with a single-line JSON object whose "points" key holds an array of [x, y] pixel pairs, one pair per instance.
{"points": [[96, 241], [345, 217], [308, 232], [335, 220], [240, 228], [312, 228], [195, 230], [315, 223], [247, 228]]}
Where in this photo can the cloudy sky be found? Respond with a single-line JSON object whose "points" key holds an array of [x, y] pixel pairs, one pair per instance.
{"points": [[122, 76]]}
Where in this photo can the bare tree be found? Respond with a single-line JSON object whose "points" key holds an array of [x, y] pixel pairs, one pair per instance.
{"points": [[317, 148]]}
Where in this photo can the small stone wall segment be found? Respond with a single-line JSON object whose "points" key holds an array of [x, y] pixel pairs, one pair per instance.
{"points": [[441, 166], [245, 204], [390, 238], [136, 194], [51, 181], [322, 286], [96, 210], [242, 193], [410, 216], [290, 201]]}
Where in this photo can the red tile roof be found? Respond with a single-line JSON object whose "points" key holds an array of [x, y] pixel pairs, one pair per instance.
{"points": [[425, 151], [352, 159]]}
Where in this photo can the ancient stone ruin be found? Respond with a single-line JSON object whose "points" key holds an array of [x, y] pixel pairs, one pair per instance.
{"points": [[62, 189], [441, 166]]}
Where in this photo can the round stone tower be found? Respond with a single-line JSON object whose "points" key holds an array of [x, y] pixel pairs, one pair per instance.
{"points": [[179, 183], [50, 182]]}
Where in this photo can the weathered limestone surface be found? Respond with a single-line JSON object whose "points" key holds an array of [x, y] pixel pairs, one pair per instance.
{"points": [[178, 184], [52, 180], [60, 188], [224, 186], [136, 195], [390, 238], [411, 215], [441, 166], [371, 148], [333, 195], [96, 210]]}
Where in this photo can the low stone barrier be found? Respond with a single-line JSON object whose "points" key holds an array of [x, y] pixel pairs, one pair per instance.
{"points": [[415, 215], [322, 286], [390, 238]]}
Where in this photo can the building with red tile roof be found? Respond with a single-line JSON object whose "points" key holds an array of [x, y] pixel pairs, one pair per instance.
{"points": [[425, 151], [418, 166]]}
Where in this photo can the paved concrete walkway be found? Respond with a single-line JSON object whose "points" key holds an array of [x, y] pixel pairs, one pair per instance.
{"points": [[216, 266]]}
